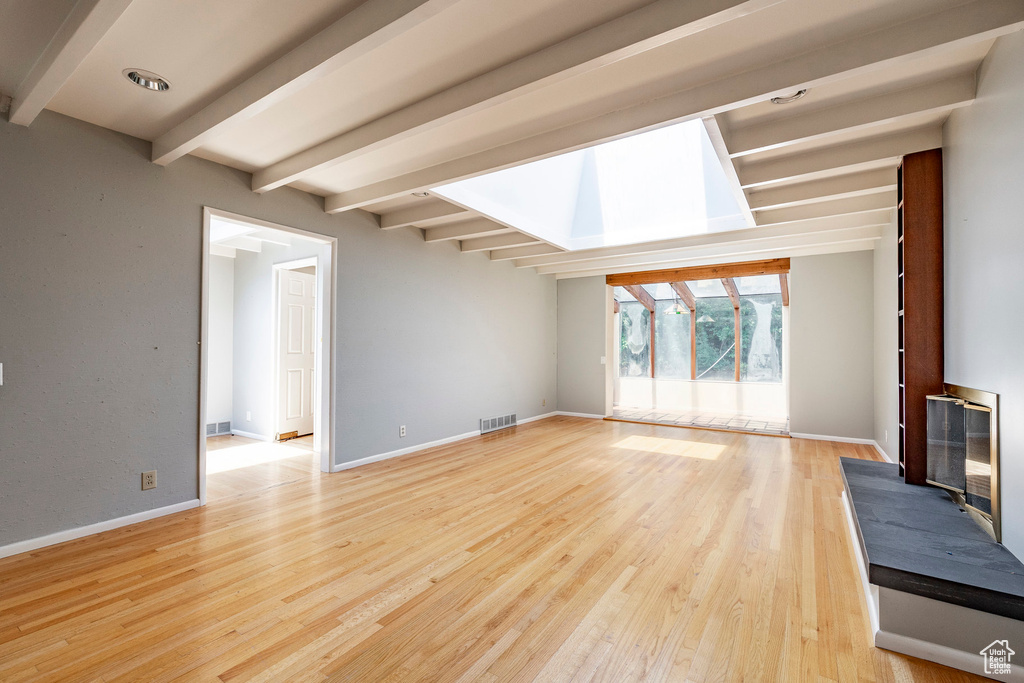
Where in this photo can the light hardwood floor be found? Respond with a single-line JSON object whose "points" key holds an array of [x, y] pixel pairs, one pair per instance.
{"points": [[565, 549], [237, 465]]}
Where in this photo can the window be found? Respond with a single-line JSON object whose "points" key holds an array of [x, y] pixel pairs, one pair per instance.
{"points": [[695, 336]]}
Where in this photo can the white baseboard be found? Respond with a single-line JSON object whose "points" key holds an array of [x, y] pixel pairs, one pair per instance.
{"points": [[940, 654], [537, 417], [79, 532], [252, 435], [591, 416], [881, 452], [840, 439], [338, 467]]}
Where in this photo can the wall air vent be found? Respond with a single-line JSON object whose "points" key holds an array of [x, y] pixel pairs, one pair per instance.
{"points": [[493, 424], [216, 428]]}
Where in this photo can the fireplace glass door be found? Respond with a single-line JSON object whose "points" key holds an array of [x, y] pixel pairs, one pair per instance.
{"points": [[947, 443], [978, 493]]}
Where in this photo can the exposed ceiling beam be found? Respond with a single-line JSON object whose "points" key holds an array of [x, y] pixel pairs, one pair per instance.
{"points": [[719, 271], [684, 293], [866, 244], [427, 214], [85, 25], [756, 248], [937, 97], [808, 229], [717, 138], [643, 29], [784, 285], [886, 149], [834, 207], [834, 187], [730, 289], [365, 28], [752, 82], [512, 239], [521, 252], [641, 295], [464, 230]]}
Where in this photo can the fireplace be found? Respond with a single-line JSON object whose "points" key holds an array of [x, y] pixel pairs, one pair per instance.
{"points": [[963, 451]]}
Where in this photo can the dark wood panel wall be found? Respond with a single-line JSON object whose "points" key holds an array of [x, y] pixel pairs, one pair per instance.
{"points": [[920, 303]]}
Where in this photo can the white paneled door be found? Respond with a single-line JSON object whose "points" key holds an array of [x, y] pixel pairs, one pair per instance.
{"points": [[296, 362]]}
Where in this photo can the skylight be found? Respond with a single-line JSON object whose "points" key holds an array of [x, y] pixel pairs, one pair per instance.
{"points": [[663, 184]]}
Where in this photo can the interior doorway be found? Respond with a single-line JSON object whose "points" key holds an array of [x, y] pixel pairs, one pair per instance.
{"points": [[267, 357]]}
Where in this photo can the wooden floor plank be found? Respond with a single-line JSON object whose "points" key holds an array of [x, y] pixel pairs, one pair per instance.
{"points": [[565, 549]]}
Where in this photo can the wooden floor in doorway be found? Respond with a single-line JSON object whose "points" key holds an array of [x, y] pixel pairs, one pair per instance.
{"points": [[565, 549]]}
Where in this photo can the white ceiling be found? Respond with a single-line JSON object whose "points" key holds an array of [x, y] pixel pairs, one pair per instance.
{"points": [[366, 102]]}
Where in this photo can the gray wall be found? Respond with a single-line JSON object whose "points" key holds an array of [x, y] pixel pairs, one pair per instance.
{"points": [[831, 365], [984, 258], [581, 343], [220, 340], [99, 297], [253, 333], [887, 359]]}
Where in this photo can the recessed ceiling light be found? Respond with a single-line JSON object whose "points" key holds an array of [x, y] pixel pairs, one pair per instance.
{"points": [[147, 79], [789, 98], [420, 194]]}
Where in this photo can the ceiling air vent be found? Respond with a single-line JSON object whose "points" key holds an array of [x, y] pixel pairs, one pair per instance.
{"points": [[493, 424]]}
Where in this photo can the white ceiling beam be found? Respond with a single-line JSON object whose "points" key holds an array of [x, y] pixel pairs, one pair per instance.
{"points": [[717, 137], [82, 30], [365, 28], [512, 239], [949, 29], [732, 237], [243, 242], [428, 214], [834, 207], [522, 252], [646, 28], [938, 97], [835, 187], [887, 149], [464, 230], [758, 246], [866, 244]]}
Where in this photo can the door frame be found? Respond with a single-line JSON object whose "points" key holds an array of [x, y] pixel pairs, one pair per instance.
{"points": [[326, 287], [275, 308]]}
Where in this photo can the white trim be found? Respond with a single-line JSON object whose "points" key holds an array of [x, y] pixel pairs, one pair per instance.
{"points": [[839, 439], [338, 467], [940, 654], [537, 417], [79, 532], [252, 435], [592, 416], [870, 594], [881, 452]]}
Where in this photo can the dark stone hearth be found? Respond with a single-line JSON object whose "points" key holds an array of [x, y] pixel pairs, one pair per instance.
{"points": [[916, 540]]}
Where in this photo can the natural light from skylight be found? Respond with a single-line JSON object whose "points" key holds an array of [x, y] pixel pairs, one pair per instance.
{"points": [[663, 184]]}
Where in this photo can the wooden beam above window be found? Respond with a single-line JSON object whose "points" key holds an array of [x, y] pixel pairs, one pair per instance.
{"points": [[641, 295], [683, 292], [715, 272], [784, 283]]}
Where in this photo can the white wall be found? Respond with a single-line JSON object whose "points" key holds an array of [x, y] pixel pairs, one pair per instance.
{"points": [[831, 356], [983, 160], [744, 398], [100, 267], [582, 312], [886, 370], [219, 342]]}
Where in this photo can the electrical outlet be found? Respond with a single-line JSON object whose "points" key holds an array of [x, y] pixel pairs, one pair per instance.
{"points": [[149, 480], [401, 431], [248, 416], [544, 402], [887, 436]]}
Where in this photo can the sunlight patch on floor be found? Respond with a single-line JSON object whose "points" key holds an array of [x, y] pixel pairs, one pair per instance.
{"points": [[237, 457], [664, 446]]}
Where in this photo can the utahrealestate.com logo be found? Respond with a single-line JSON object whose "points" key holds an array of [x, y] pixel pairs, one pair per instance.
{"points": [[997, 658]]}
